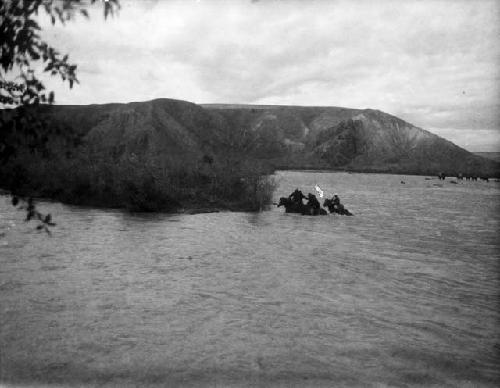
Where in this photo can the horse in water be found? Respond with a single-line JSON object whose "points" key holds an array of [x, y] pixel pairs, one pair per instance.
{"points": [[290, 206], [305, 210], [336, 208]]}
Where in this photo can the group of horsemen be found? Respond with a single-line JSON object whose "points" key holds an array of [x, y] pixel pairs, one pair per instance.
{"points": [[296, 197]]}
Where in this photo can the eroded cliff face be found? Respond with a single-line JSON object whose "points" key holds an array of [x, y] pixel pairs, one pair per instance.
{"points": [[353, 139], [284, 136], [373, 140]]}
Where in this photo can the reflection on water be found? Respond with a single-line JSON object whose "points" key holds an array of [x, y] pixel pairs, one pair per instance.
{"points": [[404, 293]]}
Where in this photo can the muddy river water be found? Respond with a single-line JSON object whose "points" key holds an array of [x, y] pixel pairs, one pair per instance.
{"points": [[405, 293]]}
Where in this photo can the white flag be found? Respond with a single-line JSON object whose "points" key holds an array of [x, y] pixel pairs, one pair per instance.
{"points": [[318, 189]]}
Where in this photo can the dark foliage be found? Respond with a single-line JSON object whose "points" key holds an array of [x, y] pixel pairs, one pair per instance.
{"points": [[138, 184]]}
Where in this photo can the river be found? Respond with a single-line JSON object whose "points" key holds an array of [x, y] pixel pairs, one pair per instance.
{"points": [[405, 293]]}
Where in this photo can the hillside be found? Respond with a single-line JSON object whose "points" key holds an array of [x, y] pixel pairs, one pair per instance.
{"points": [[350, 139], [161, 126], [281, 136]]}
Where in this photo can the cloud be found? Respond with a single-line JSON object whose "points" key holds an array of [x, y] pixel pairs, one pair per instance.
{"points": [[434, 63]]}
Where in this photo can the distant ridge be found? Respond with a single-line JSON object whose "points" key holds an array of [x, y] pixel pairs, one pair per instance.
{"points": [[284, 136]]}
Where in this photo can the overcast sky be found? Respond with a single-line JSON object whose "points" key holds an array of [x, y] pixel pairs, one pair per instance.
{"points": [[433, 63]]}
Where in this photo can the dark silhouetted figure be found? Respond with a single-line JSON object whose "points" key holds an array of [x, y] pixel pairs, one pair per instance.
{"points": [[334, 206], [313, 201], [292, 207], [297, 196]]}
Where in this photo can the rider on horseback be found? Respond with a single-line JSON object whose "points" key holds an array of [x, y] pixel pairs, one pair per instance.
{"points": [[336, 203], [313, 201], [297, 197]]}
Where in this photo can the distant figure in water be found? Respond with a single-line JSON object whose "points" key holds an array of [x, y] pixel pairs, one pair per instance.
{"points": [[297, 197], [335, 206]]}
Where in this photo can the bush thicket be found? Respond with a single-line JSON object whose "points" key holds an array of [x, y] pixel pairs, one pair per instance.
{"points": [[139, 183]]}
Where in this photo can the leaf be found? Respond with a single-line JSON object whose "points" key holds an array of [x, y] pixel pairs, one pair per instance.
{"points": [[32, 24]]}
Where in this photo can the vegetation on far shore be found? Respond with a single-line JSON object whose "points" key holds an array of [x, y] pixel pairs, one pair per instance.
{"points": [[136, 185]]}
